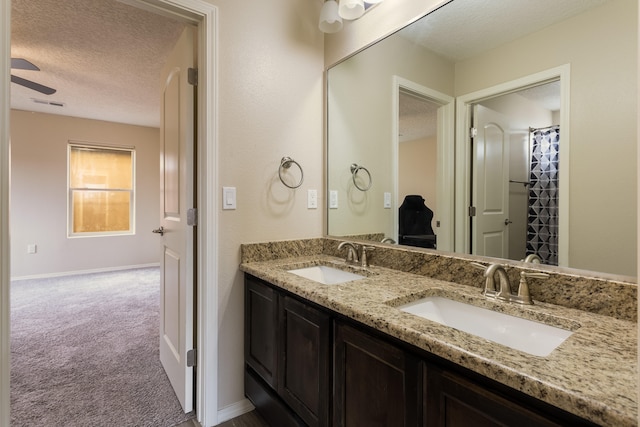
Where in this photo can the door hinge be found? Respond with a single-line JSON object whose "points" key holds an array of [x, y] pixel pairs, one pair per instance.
{"points": [[192, 76], [191, 358], [473, 132], [192, 217], [472, 211]]}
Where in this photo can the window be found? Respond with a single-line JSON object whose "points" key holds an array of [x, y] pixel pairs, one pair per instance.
{"points": [[101, 185]]}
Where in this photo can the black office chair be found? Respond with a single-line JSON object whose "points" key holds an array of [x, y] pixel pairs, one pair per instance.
{"points": [[414, 228]]}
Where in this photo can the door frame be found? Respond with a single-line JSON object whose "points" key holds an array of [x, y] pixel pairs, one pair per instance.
{"points": [[464, 105], [204, 16], [445, 153]]}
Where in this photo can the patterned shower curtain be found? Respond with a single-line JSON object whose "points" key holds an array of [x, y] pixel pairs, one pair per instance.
{"points": [[542, 227]]}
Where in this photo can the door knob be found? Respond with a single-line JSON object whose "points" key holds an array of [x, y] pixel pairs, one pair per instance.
{"points": [[506, 222], [159, 231]]}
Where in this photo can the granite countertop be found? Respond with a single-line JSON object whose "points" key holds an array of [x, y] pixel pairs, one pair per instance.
{"points": [[593, 374]]}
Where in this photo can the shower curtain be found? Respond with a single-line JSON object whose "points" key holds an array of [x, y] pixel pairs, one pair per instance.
{"points": [[542, 224]]}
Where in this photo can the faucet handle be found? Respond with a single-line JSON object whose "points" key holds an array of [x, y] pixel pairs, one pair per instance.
{"points": [[364, 259], [523, 288], [479, 266], [534, 274]]}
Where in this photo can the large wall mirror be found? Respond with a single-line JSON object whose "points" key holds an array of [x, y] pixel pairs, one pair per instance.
{"points": [[510, 125]]}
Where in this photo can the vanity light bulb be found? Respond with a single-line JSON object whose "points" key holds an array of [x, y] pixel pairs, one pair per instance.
{"points": [[330, 20], [351, 9]]}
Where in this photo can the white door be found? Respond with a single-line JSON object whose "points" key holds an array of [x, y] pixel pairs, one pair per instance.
{"points": [[490, 189], [176, 198]]}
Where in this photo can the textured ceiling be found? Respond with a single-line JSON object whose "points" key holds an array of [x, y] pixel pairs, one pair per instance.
{"points": [[103, 57], [465, 28], [417, 117]]}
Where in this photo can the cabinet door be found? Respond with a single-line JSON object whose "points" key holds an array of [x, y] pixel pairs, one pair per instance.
{"points": [[375, 383], [303, 372], [453, 401], [261, 322]]}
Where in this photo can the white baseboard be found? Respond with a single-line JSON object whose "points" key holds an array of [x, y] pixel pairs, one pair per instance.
{"points": [[78, 272], [234, 410]]}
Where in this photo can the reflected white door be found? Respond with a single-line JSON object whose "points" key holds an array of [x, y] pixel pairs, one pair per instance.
{"points": [[176, 197], [490, 189]]}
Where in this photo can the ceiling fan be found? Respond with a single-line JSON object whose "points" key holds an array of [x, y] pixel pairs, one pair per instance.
{"points": [[23, 64]]}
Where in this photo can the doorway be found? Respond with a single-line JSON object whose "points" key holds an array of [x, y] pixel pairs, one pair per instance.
{"points": [[203, 15], [423, 126], [518, 107]]}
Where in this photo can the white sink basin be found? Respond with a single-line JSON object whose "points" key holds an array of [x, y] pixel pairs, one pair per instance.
{"points": [[531, 337], [326, 275]]}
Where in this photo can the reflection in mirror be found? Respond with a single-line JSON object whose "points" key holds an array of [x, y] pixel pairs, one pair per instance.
{"points": [[593, 42], [515, 164]]}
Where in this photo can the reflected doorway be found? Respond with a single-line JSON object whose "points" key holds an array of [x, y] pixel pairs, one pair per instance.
{"points": [[423, 151], [514, 186]]}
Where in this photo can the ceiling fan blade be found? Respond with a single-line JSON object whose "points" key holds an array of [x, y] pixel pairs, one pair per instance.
{"points": [[32, 85], [23, 64]]}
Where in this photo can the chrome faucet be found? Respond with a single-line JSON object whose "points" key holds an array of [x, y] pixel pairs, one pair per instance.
{"points": [[356, 254], [352, 252], [503, 293], [388, 240]]}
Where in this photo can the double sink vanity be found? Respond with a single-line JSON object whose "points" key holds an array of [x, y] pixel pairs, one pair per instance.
{"points": [[413, 337]]}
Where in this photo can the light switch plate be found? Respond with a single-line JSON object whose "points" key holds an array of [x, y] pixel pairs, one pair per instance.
{"points": [[228, 198], [387, 200], [333, 199], [312, 199]]}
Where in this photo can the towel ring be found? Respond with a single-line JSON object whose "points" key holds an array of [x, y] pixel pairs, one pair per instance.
{"points": [[285, 163], [354, 171]]}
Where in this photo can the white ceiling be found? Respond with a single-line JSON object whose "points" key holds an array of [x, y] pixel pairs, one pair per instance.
{"points": [[103, 57]]}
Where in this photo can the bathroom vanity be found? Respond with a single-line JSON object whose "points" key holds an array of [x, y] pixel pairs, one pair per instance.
{"points": [[345, 354]]}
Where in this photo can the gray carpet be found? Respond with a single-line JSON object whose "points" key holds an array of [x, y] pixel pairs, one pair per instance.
{"points": [[84, 352]]}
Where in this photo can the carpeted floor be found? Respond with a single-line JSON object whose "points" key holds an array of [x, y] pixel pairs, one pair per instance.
{"points": [[84, 352]]}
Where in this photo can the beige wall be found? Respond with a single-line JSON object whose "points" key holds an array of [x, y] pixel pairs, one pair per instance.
{"points": [[270, 105], [417, 165], [39, 196], [601, 48]]}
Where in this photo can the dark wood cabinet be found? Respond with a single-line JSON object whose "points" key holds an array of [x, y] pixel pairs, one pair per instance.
{"points": [[375, 383], [261, 326], [452, 400], [372, 379], [456, 402], [303, 371], [288, 346]]}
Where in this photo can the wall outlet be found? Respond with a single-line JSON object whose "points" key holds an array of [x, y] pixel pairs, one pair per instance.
{"points": [[312, 199], [333, 199], [32, 248]]}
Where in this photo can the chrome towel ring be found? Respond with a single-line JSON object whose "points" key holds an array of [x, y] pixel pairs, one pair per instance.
{"points": [[354, 172], [285, 163]]}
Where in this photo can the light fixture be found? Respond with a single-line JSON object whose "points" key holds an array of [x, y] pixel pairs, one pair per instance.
{"points": [[330, 20], [332, 13], [351, 9]]}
